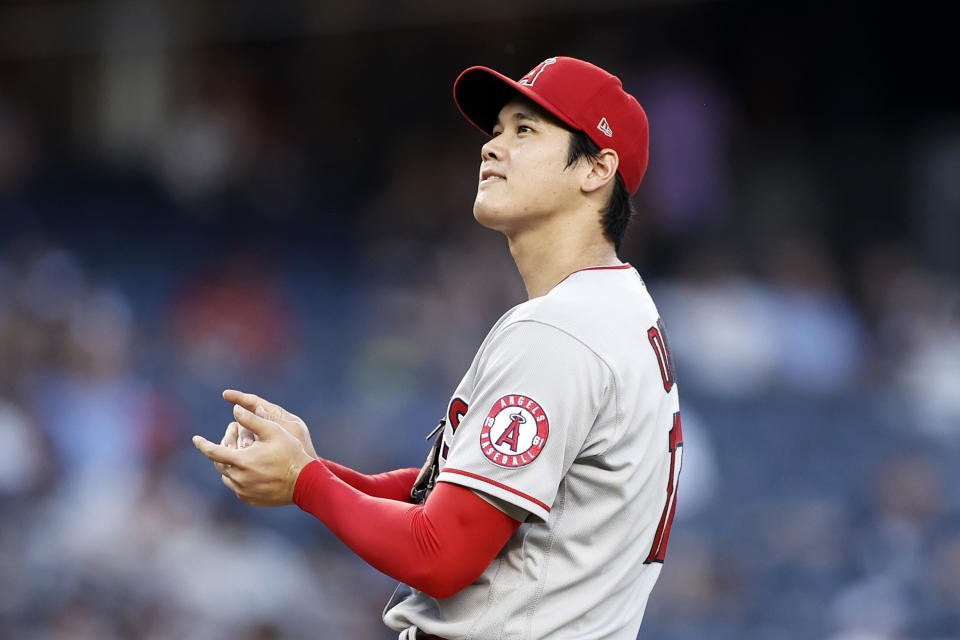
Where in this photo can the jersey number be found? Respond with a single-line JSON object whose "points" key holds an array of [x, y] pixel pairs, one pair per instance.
{"points": [[658, 340], [659, 548]]}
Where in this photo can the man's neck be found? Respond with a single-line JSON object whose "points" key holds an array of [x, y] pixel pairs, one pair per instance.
{"points": [[545, 256]]}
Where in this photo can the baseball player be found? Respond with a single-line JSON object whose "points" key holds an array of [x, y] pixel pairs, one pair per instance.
{"points": [[544, 507]]}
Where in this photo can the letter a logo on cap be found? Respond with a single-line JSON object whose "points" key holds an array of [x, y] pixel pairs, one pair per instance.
{"points": [[604, 126], [531, 77]]}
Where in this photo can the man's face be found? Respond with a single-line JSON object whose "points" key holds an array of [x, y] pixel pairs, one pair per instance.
{"points": [[523, 172]]}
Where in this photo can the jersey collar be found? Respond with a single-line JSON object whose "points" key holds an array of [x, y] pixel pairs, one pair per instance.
{"points": [[625, 265]]}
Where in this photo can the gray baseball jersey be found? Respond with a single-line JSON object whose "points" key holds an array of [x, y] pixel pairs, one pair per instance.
{"points": [[568, 420]]}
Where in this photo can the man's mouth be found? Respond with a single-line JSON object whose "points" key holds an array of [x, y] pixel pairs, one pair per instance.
{"points": [[489, 175]]}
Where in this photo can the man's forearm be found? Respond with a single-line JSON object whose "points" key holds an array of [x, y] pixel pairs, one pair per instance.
{"points": [[439, 547], [393, 485]]}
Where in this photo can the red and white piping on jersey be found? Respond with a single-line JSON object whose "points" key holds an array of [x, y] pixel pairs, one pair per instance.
{"points": [[626, 265], [498, 484]]}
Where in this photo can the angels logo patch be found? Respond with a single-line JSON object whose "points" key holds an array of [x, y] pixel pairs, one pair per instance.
{"points": [[514, 432]]}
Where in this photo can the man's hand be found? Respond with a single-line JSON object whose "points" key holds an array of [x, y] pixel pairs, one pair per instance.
{"points": [[240, 437], [264, 473]]}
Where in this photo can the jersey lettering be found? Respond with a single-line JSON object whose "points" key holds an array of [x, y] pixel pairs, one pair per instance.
{"points": [[458, 409], [659, 548], [661, 348]]}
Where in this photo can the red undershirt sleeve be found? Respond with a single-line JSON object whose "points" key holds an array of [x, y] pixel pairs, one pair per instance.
{"points": [[439, 547], [393, 485]]}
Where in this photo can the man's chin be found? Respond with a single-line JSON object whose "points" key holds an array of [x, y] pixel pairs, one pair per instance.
{"points": [[487, 216]]}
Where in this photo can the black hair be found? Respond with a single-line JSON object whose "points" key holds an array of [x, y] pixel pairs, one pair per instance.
{"points": [[615, 216]]}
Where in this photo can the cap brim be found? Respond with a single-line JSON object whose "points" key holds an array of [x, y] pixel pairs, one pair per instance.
{"points": [[481, 92]]}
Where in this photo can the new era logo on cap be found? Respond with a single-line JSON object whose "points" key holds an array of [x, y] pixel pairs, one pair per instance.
{"points": [[604, 126], [582, 95]]}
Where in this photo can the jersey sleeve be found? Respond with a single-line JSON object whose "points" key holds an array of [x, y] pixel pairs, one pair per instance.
{"points": [[537, 394]]}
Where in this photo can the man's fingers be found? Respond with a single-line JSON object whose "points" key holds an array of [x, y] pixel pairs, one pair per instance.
{"points": [[216, 452], [245, 438], [231, 436], [262, 427], [250, 402], [230, 484], [289, 419]]}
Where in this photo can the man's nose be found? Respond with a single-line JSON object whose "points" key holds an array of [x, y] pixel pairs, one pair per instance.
{"points": [[491, 150]]}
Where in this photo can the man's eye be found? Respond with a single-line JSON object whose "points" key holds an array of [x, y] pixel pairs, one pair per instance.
{"points": [[495, 134], [523, 129]]}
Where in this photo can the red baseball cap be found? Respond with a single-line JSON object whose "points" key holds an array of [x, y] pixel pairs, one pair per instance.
{"points": [[582, 95]]}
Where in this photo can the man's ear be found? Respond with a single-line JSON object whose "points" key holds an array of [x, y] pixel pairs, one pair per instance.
{"points": [[603, 169]]}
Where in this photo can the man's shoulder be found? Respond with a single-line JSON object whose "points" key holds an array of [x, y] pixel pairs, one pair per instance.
{"points": [[590, 302], [604, 312]]}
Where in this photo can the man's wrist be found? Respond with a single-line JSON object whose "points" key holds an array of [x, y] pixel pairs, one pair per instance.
{"points": [[304, 479]]}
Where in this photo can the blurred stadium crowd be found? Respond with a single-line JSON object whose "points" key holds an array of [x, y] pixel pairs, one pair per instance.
{"points": [[287, 212]]}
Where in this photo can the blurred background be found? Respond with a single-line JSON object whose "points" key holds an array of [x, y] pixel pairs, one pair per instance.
{"points": [[277, 197]]}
